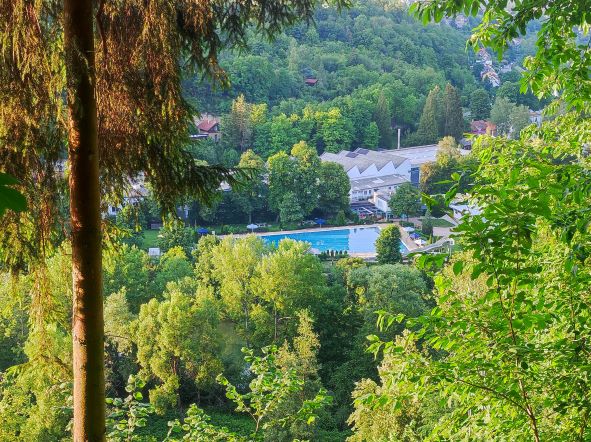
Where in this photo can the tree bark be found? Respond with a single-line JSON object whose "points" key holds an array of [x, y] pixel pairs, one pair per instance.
{"points": [[85, 213]]}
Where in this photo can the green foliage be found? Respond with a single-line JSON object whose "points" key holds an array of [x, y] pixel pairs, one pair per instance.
{"points": [[290, 210], [396, 288], [334, 131], [34, 388], [340, 219], [480, 104], [307, 172], [293, 182], [371, 136], [196, 426], [300, 356], [452, 108], [427, 224], [174, 233], [10, 198], [512, 309], [436, 177], [269, 389], [241, 123], [176, 339], [281, 178], [509, 117], [127, 267], [405, 201], [333, 188], [560, 61], [173, 266], [234, 265], [388, 245], [251, 196], [289, 280], [428, 130], [125, 416], [383, 120]]}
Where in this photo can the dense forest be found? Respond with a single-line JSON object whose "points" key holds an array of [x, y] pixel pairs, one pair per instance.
{"points": [[232, 339], [373, 69]]}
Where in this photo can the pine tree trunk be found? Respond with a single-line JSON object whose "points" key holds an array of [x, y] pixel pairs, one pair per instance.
{"points": [[87, 318]]}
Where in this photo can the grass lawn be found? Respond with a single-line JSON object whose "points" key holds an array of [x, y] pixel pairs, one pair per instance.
{"points": [[150, 239]]}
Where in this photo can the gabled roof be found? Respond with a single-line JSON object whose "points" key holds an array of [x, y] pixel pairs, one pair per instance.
{"points": [[360, 184], [363, 159], [207, 125]]}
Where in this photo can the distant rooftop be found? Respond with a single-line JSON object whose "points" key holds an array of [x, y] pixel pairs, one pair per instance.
{"points": [[365, 158], [360, 184]]}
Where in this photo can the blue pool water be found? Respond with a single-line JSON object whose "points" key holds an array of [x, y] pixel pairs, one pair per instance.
{"points": [[354, 239]]}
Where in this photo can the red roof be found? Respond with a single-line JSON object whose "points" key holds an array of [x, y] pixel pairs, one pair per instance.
{"points": [[311, 81], [482, 127], [208, 126]]}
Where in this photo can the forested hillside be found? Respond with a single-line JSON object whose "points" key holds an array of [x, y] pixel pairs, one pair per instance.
{"points": [[356, 56], [482, 337]]}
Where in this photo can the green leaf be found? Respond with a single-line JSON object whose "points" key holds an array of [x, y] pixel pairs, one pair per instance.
{"points": [[10, 198]]}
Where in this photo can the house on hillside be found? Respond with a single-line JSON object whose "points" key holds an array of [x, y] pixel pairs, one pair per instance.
{"points": [[481, 127], [207, 126], [134, 195], [311, 81]]}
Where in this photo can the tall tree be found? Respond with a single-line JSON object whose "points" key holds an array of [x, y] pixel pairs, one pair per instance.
{"points": [[307, 166], [281, 178], [509, 117], [126, 114], [241, 122], [290, 210], [388, 245], [406, 201], [333, 188], [454, 117], [371, 136], [234, 267], [238, 130], [383, 118], [334, 131], [428, 130], [251, 195], [479, 104]]}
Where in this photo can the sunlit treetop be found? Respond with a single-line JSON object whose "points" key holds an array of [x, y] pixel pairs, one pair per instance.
{"points": [[562, 63]]}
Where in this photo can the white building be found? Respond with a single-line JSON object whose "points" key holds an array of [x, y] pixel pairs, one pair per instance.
{"points": [[372, 171], [366, 188]]}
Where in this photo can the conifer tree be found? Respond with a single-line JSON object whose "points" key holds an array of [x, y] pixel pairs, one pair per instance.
{"points": [[454, 118], [479, 104], [124, 114], [428, 131], [383, 119]]}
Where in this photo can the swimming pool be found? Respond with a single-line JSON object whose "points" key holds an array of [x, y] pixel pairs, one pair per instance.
{"points": [[352, 239]]}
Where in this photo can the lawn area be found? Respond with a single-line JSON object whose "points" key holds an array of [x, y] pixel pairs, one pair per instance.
{"points": [[150, 239]]}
